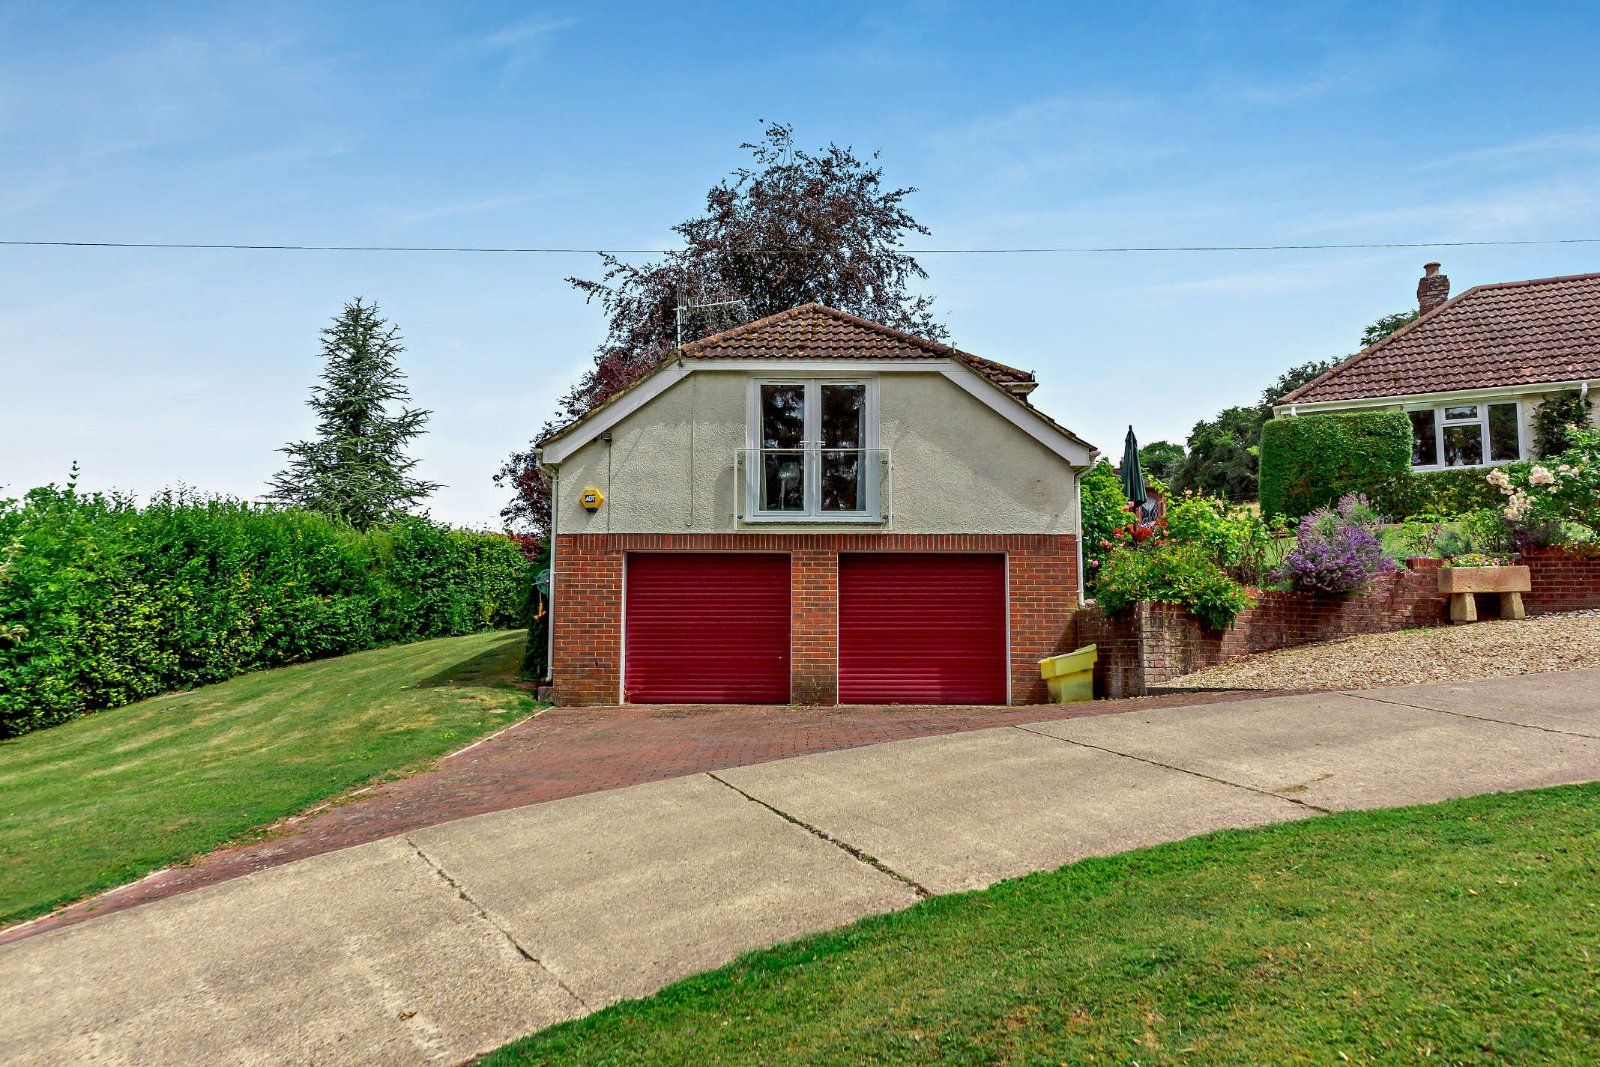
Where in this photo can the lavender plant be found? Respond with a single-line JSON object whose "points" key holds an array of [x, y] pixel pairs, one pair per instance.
{"points": [[1337, 550]]}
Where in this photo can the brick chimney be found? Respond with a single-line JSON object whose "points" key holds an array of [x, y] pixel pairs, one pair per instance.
{"points": [[1433, 289]]}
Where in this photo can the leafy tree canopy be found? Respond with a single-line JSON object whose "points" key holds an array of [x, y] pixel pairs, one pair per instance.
{"points": [[1161, 459], [788, 228], [1385, 326], [1289, 381], [1222, 455], [356, 469]]}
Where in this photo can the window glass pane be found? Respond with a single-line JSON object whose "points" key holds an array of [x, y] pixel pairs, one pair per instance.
{"points": [[843, 407], [1503, 443], [783, 480], [1463, 445], [783, 431], [843, 432], [783, 415], [841, 480], [1424, 445], [1460, 411]]}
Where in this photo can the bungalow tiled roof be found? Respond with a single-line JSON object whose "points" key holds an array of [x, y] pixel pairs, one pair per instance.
{"points": [[1537, 332]]}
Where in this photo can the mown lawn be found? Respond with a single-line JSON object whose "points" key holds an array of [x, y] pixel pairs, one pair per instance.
{"points": [[112, 796], [1466, 932]]}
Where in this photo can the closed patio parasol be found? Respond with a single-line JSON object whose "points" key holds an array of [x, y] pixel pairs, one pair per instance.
{"points": [[1132, 476]]}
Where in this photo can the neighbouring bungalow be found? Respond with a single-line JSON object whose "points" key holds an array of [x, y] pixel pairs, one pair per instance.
{"points": [[814, 508], [1471, 370]]}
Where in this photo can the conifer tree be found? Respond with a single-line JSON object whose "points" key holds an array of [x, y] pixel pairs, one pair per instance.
{"points": [[356, 468]]}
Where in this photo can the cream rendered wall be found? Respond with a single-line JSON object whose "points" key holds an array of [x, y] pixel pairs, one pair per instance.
{"points": [[958, 467]]}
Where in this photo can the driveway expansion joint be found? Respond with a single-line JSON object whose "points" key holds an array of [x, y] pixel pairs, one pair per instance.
{"points": [[1366, 695], [483, 913], [922, 891], [1180, 770]]}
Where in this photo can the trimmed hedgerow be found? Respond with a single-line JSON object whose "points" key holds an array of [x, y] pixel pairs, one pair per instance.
{"points": [[1310, 461], [103, 602], [1455, 491]]}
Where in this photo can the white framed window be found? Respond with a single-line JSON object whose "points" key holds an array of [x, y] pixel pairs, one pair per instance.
{"points": [[812, 450], [1468, 434]]}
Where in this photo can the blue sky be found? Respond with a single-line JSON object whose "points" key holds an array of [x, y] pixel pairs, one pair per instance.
{"points": [[603, 124]]}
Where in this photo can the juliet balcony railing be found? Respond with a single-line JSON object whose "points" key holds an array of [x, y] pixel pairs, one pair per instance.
{"points": [[813, 485]]}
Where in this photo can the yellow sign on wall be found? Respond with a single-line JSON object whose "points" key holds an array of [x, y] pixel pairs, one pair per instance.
{"points": [[591, 499]]}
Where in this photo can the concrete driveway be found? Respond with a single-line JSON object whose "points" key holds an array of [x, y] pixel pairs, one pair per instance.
{"points": [[445, 942]]}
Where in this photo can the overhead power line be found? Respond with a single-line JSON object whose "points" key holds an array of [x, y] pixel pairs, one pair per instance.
{"points": [[1047, 250]]}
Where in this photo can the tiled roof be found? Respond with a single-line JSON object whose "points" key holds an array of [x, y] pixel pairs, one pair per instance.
{"points": [[812, 331], [1537, 332]]}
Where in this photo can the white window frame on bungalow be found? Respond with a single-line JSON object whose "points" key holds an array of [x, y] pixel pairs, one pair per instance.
{"points": [[1442, 410], [813, 513]]}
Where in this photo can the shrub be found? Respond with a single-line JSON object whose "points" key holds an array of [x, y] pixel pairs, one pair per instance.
{"points": [[1234, 535], [1171, 573], [1104, 509], [106, 602], [1311, 461], [1337, 550], [1554, 419], [1453, 491], [1564, 488]]}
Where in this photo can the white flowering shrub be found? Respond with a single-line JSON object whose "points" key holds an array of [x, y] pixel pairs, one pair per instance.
{"points": [[1564, 490]]}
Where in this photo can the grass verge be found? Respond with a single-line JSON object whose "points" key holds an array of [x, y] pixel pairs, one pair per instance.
{"points": [[107, 798], [1466, 932]]}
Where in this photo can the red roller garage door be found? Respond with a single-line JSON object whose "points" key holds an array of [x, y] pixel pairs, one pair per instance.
{"points": [[917, 628], [706, 628]]}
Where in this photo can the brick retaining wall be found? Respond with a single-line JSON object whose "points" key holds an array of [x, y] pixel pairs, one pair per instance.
{"points": [[1563, 580], [1154, 643]]}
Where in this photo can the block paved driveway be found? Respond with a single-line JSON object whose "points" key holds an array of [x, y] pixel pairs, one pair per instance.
{"points": [[442, 942], [567, 752]]}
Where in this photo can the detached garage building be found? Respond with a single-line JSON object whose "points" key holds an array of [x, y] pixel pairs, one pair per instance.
{"points": [[812, 508]]}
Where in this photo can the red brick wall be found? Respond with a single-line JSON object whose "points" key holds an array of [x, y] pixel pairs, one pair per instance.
{"points": [[587, 657], [1563, 580]]}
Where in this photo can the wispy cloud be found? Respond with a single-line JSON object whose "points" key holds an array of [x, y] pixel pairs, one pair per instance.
{"points": [[519, 44], [1514, 211], [1555, 146]]}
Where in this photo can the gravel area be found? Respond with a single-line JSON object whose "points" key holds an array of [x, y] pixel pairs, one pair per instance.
{"points": [[1481, 650]]}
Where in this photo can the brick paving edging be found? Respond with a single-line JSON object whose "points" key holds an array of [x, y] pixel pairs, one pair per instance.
{"points": [[567, 752]]}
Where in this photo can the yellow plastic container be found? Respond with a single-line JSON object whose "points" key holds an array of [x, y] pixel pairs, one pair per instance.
{"points": [[1069, 677]]}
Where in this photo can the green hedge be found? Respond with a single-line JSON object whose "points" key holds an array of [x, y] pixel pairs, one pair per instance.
{"points": [[1309, 461], [103, 603], [1446, 492]]}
